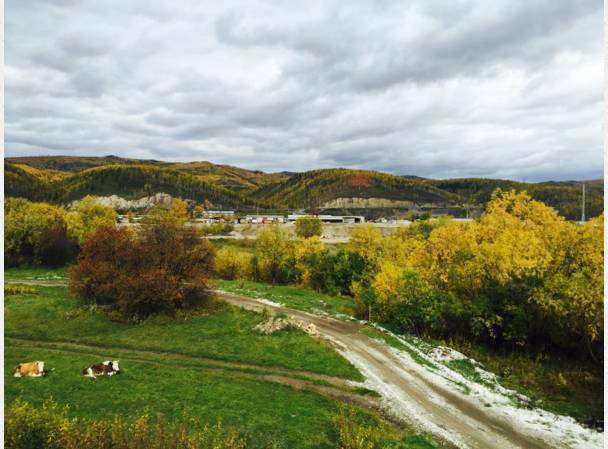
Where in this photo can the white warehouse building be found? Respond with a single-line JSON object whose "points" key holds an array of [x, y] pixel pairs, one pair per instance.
{"points": [[329, 218]]}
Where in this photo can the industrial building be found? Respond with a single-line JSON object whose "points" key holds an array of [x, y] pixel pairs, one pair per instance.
{"points": [[329, 218], [265, 219]]}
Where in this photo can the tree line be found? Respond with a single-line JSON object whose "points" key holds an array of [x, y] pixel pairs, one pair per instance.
{"points": [[237, 188], [520, 276]]}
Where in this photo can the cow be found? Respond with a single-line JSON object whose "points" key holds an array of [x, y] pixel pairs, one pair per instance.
{"points": [[29, 369], [107, 368]]}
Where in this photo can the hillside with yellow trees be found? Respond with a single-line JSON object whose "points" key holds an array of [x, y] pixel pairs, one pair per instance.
{"points": [[65, 178]]}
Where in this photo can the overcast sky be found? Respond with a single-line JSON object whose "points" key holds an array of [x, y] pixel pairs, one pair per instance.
{"points": [[451, 88]]}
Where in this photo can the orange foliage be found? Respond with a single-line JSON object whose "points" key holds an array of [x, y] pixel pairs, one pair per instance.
{"points": [[360, 180]]}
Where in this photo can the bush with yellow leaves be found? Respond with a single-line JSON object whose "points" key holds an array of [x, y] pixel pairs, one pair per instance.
{"points": [[231, 263], [49, 426]]}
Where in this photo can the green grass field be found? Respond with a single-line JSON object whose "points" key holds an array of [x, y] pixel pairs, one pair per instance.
{"points": [[223, 333], [295, 297], [264, 410], [211, 366], [35, 273]]}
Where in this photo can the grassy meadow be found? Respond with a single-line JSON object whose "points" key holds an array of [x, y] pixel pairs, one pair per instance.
{"points": [[219, 332], [264, 410], [209, 366], [301, 298]]}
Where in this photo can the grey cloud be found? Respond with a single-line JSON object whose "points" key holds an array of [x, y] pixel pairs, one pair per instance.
{"points": [[342, 51], [464, 88]]}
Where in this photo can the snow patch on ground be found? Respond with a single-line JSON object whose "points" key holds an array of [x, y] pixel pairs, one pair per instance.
{"points": [[395, 401], [250, 294], [344, 317], [559, 431], [445, 354], [269, 302]]}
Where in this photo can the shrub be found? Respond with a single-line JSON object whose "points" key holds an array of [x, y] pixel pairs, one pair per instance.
{"points": [[520, 276], [309, 255], [350, 434], [409, 303], [175, 215], [36, 233], [29, 427], [18, 290], [344, 268], [230, 263], [88, 215], [161, 268], [49, 426], [307, 227], [274, 260], [366, 240], [217, 229]]}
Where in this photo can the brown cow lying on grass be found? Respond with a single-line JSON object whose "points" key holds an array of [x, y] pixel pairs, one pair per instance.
{"points": [[29, 369], [107, 368]]}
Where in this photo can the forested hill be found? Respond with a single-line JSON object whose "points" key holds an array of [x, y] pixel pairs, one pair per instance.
{"points": [[317, 187], [65, 178], [127, 181], [232, 178], [565, 196]]}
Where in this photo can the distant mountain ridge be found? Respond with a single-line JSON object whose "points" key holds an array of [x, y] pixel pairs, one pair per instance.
{"points": [[63, 179]]}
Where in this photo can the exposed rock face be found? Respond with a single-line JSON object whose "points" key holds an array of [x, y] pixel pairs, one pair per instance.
{"points": [[118, 203], [366, 203]]}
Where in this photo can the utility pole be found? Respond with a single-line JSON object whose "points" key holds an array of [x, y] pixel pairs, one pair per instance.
{"points": [[583, 206]]}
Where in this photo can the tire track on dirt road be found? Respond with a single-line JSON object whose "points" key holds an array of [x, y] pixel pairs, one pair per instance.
{"points": [[410, 393]]}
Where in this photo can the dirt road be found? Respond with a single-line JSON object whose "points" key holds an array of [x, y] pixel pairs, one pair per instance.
{"points": [[411, 394]]}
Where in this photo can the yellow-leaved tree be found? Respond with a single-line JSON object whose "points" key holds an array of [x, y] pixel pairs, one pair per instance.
{"points": [[571, 296], [36, 233], [175, 215], [273, 250], [366, 240], [231, 263], [308, 254], [87, 216]]}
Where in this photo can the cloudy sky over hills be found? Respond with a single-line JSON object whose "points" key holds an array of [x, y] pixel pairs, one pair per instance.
{"points": [[507, 88]]}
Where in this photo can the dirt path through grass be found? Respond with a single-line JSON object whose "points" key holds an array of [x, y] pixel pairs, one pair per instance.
{"points": [[38, 282], [410, 394], [333, 387], [114, 351], [408, 391]]}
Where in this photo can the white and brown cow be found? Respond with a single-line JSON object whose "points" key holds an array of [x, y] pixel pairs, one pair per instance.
{"points": [[29, 369], [107, 368]]}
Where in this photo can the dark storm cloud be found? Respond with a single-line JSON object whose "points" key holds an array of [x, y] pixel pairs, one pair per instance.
{"points": [[507, 89]]}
